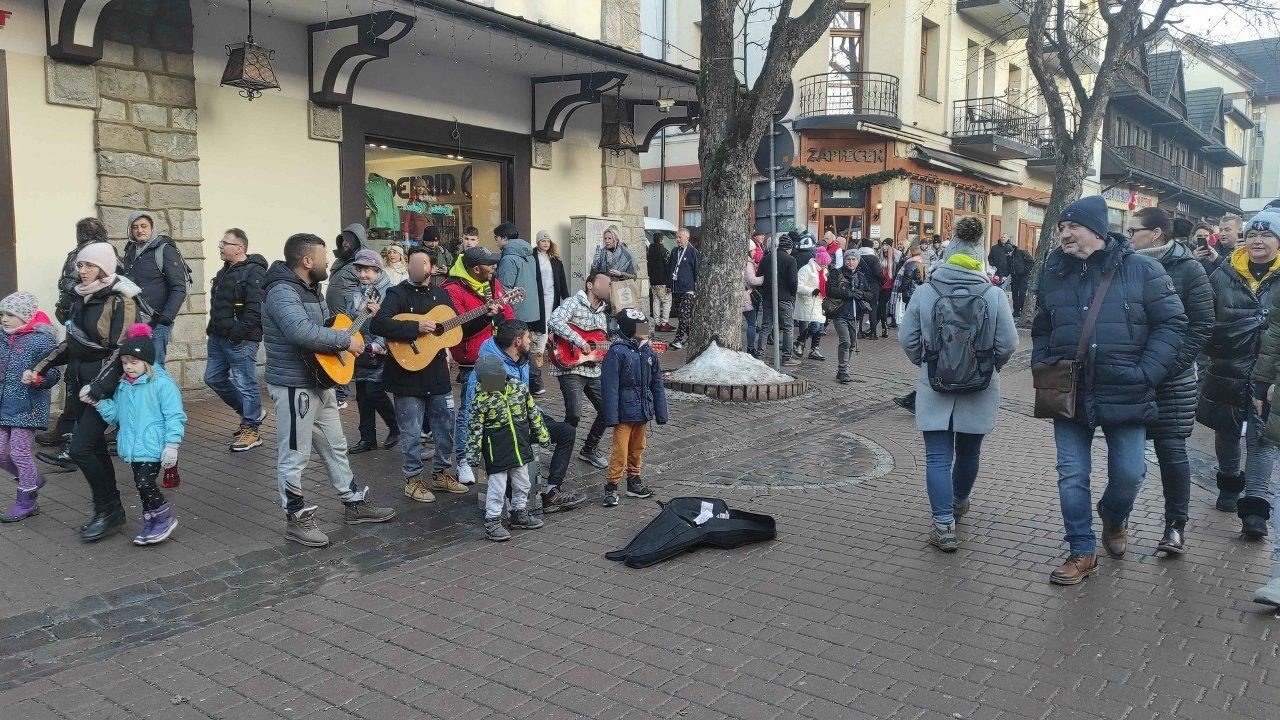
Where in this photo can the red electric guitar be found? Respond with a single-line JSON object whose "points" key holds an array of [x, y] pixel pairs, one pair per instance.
{"points": [[567, 355]]}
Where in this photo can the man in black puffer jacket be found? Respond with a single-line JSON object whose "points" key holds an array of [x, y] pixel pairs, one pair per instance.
{"points": [[234, 333], [1134, 348], [1151, 234]]}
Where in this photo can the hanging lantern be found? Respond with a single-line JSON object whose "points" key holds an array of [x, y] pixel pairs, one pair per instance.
{"points": [[249, 66], [617, 134]]}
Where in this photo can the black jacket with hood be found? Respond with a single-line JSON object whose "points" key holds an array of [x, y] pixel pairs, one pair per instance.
{"points": [[235, 300], [162, 282], [405, 297], [342, 274]]}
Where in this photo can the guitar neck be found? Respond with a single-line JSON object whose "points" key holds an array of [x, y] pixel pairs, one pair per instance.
{"points": [[463, 319]]}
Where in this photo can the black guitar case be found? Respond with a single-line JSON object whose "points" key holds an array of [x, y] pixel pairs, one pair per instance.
{"points": [[686, 523]]}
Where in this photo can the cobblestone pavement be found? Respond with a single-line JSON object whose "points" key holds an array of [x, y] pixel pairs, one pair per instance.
{"points": [[847, 615]]}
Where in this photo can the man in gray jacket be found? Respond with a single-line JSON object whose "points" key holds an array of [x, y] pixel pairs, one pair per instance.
{"points": [[518, 268], [293, 315]]}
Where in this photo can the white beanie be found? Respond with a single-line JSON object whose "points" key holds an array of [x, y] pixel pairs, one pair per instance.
{"points": [[100, 254]]}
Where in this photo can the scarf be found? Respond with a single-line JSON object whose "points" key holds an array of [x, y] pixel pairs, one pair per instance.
{"points": [[822, 282], [1240, 262], [483, 289], [964, 261], [1158, 251], [87, 291]]}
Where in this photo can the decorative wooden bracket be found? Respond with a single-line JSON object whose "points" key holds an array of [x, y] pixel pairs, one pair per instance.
{"points": [[556, 98], [340, 49], [648, 118], [71, 29]]}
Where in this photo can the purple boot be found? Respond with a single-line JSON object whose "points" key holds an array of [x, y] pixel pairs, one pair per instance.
{"points": [[157, 526], [24, 507]]}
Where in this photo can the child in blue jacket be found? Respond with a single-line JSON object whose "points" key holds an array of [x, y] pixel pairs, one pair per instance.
{"points": [[148, 409], [631, 382], [24, 395]]}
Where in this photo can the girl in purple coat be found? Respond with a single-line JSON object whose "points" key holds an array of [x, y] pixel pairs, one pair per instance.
{"points": [[24, 396]]}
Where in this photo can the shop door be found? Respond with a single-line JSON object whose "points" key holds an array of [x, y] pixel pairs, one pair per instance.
{"points": [[1028, 236], [844, 222]]}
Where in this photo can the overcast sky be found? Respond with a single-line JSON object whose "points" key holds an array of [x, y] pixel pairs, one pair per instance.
{"points": [[1228, 22]]}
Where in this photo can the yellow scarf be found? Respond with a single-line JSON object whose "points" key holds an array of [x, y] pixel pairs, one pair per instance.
{"points": [[460, 272], [966, 262], [1240, 261]]}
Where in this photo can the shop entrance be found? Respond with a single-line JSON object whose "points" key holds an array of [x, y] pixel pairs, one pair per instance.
{"points": [[1028, 236], [843, 222]]}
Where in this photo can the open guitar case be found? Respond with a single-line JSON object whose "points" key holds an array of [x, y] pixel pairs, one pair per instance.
{"points": [[687, 523]]}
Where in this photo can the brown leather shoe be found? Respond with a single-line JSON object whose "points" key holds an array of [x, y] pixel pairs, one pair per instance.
{"points": [[1074, 570], [1115, 538]]}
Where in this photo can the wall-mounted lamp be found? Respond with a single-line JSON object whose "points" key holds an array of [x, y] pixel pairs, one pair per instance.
{"points": [[813, 214], [879, 207]]}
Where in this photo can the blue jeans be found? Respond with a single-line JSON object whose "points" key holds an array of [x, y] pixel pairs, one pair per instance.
{"points": [[463, 417], [749, 316], [410, 412], [950, 469], [232, 372], [1126, 469], [160, 337]]}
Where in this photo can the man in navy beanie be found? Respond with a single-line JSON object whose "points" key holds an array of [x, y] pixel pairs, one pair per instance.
{"points": [[1130, 349]]}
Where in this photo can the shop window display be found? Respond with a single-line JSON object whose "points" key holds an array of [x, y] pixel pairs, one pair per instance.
{"points": [[409, 190]]}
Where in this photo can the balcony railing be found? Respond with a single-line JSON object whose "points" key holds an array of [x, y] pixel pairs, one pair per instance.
{"points": [[1191, 180], [1082, 40], [855, 96], [1230, 197], [995, 117], [1140, 158]]}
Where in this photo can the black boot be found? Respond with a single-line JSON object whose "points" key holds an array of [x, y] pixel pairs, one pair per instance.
{"points": [[1173, 541], [1229, 489], [106, 519], [1254, 513], [60, 460]]}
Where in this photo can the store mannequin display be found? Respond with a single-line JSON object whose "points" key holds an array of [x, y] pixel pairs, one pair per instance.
{"points": [[380, 199]]}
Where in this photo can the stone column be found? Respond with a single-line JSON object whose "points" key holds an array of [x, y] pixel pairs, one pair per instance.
{"points": [[145, 135], [621, 184]]}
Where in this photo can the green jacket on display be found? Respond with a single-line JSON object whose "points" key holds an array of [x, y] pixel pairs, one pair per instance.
{"points": [[381, 201]]}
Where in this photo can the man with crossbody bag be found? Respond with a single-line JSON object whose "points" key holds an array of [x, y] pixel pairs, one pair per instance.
{"points": [[1107, 331]]}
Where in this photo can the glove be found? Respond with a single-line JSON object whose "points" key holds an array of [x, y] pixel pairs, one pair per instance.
{"points": [[169, 458], [86, 395], [816, 292], [160, 319]]}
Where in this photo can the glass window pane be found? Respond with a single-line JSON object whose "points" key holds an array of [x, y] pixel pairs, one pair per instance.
{"points": [[930, 195], [429, 189], [913, 215], [915, 192]]}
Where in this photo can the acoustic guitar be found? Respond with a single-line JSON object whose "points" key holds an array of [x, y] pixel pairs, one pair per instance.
{"points": [[414, 355], [333, 369], [566, 355]]}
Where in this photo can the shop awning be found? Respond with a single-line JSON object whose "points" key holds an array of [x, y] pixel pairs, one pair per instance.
{"points": [[958, 163]]}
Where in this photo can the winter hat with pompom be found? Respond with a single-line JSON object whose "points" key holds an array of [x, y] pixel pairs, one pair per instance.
{"points": [[138, 344], [822, 257], [22, 305], [967, 240]]}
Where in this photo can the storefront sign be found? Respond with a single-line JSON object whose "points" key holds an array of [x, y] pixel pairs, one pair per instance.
{"points": [[440, 185], [1128, 199], [843, 156], [873, 154]]}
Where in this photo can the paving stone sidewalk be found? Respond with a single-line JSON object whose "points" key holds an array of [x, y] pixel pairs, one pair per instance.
{"points": [[847, 615]]}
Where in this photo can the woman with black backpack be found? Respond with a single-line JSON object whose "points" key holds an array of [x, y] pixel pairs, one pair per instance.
{"points": [[958, 390]]}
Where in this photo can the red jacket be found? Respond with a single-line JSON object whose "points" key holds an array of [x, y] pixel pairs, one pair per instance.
{"points": [[474, 333]]}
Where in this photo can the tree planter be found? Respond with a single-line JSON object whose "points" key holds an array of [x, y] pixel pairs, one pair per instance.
{"points": [[763, 392]]}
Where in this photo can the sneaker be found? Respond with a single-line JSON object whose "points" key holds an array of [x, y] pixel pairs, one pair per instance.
{"points": [[558, 500], [236, 433], [1076, 568], [302, 529], [594, 456], [1115, 537], [636, 488], [815, 355], [248, 439], [610, 496], [392, 440], [843, 378], [362, 511], [1172, 542], [342, 405], [677, 345], [493, 530], [157, 526], [961, 508], [524, 520], [944, 537], [1268, 594], [793, 361], [797, 349], [906, 402], [415, 489], [444, 481], [466, 475]]}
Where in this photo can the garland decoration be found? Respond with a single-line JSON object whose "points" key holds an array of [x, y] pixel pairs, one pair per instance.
{"points": [[827, 181]]}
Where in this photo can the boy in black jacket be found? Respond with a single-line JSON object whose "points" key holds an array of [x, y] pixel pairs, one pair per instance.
{"points": [[503, 426]]}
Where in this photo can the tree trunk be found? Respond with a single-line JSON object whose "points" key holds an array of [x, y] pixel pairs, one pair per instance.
{"points": [[718, 305]]}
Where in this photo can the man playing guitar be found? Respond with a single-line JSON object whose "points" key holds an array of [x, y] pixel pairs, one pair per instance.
{"points": [[588, 311], [293, 316], [471, 284], [422, 394]]}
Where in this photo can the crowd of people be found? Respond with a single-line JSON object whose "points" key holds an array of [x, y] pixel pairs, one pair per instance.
{"points": [[117, 310]]}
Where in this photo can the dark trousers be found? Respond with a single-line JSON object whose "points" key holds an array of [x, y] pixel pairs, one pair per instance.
{"points": [[88, 451], [373, 401], [882, 310], [573, 387], [1175, 476], [563, 436], [144, 478], [1019, 291], [684, 301]]}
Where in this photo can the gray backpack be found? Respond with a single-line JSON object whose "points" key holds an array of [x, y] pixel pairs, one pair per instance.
{"points": [[960, 354]]}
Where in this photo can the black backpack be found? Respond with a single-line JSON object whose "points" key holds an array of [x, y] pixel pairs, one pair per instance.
{"points": [[960, 356]]}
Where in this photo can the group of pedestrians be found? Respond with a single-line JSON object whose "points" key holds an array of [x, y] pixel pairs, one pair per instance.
{"points": [[1119, 325]]}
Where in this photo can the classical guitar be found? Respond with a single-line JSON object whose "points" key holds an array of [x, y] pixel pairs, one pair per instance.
{"points": [[414, 355], [567, 355], [333, 369]]}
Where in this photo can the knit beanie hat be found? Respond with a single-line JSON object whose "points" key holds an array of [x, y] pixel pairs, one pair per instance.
{"points": [[822, 257], [22, 305], [628, 320], [968, 239], [491, 373], [784, 242], [1265, 221], [100, 254], [431, 233], [1091, 212], [138, 344]]}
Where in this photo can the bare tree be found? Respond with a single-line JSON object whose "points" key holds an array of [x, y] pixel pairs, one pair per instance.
{"points": [[1076, 113], [734, 118]]}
